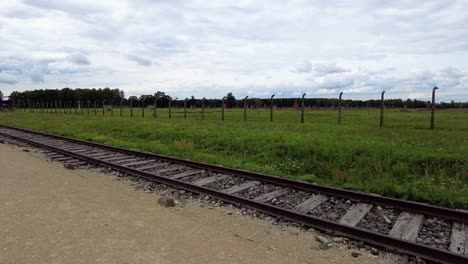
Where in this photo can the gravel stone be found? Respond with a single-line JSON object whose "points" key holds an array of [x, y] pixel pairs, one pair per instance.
{"points": [[226, 183], [332, 209], [436, 233], [258, 190], [380, 219], [290, 199], [69, 166], [337, 239], [166, 201]]}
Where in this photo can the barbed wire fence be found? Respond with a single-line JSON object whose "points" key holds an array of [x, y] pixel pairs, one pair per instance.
{"points": [[223, 113]]}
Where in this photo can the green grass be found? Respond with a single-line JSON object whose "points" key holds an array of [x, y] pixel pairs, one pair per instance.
{"points": [[405, 159]]}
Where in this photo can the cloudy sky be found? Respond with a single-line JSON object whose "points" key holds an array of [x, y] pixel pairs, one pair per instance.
{"points": [[255, 48]]}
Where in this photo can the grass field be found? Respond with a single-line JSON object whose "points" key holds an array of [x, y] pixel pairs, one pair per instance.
{"points": [[405, 159]]}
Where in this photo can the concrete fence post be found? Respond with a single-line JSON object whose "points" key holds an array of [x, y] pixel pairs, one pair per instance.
{"points": [[155, 112], [185, 108], [222, 108], [271, 108], [95, 107], [339, 108], [382, 104], [433, 106], [169, 108], [245, 108], [302, 108], [203, 107], [112, 107]]}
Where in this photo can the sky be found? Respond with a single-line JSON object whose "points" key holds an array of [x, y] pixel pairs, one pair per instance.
{"points": [[250, 48]]}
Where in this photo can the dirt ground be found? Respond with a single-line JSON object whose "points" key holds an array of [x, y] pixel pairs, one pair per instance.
{"points": [[52, 215]]}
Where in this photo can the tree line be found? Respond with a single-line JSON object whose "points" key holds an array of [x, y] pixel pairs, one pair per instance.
{"points": [[116, 97]]}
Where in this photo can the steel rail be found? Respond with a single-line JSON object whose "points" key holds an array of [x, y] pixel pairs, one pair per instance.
{"points": [[370, 237], [409, 206], [390, 243]]}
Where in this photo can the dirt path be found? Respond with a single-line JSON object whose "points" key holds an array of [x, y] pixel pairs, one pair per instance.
{"points": [[52, 215]]}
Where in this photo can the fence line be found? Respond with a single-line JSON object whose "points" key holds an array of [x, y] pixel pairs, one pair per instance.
{"points": [[59, 107]]}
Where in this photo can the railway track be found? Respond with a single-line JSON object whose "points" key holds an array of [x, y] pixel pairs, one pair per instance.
{"points": [[430, 232]]}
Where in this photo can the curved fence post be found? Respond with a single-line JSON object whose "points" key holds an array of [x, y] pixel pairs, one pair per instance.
{"points": [[222, 107], [103, 103], [143, 107], [95, 107], [245, 108], [302, 108], [185, 108], [433, 106], [169, 108], [131, 107], [271, 108], [339, 108], [381, 109], [121, 106], [155, 112], [112, 107], [203, 108]]}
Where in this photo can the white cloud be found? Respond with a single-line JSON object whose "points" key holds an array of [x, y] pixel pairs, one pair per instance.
{"points": [[250, 48]]}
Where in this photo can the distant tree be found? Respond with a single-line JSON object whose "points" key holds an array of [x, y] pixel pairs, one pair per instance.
{"points": [[192, 101], [1, 97], [230, 100]]}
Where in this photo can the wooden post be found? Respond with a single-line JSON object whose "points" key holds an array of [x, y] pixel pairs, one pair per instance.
{"points": [[222, 108], [203, 108], [381, 108], [302, 108], [271, 108], [433, 106], [339, 108], [143, 107], [245, 108]]}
